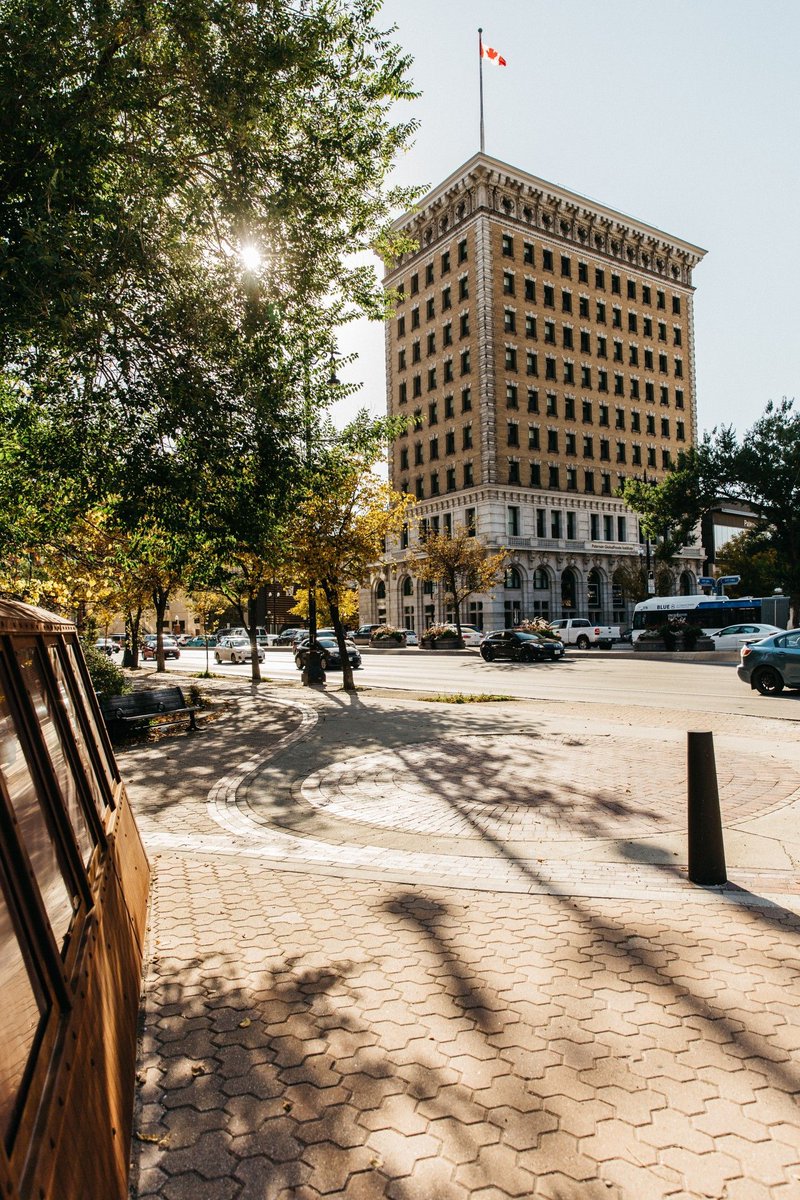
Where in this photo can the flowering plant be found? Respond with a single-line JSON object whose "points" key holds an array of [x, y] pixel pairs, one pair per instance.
{"points": [[538, 625], [387, 633], [440, 631]]}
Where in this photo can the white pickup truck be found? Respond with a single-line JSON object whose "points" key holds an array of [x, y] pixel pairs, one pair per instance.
{"points": [[578, 631]]}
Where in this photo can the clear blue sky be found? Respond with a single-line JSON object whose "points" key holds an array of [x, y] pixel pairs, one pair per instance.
{"points": [[683, 113]]}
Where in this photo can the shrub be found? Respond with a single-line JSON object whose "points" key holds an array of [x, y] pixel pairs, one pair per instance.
{"points": [[671, 632], [440, 632], [104, 673], [540, 626], [387, 633]]}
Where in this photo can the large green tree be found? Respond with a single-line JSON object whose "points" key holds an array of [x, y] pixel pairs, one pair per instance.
{"points": [[761, 470], [182, 187]]}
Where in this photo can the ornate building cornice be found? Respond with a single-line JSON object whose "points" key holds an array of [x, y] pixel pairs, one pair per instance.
{"points": [[487, 185]]}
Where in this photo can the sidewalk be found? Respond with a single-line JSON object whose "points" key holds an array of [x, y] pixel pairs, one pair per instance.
{"points": [[426, 952]]}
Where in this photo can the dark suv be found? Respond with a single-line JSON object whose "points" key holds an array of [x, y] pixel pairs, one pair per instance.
{"points": [[363, 634]]}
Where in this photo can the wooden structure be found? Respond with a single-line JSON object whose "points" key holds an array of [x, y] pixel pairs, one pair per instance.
{"points": [[74, 882]]}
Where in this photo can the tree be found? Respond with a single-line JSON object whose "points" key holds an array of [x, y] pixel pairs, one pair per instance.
{"points": [[752, 556], [670, 510], [761, 471], [460, 563], [182, 187], [339, 528], [348, 607]]}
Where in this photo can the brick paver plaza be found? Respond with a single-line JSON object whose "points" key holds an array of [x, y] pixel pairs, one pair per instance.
{"points": [[430, 952]]}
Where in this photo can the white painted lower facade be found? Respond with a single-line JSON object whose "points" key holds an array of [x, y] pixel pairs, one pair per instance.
{"points": [[563, 553]]}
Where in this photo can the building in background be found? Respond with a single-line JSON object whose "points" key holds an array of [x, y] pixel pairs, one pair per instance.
{"points": [[543, 346]]}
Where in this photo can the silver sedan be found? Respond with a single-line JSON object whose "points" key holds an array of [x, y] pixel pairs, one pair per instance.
{"points": [[236, 650]]}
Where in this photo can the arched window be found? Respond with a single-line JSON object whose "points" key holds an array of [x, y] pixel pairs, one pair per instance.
{"points": [[593, 591], [687, 587], [380, 590], [619, 599], [512, 578], [569, 591], [408, 586], [541, 580]]}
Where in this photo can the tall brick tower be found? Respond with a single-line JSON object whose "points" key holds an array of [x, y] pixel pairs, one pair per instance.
{"points": [[544, 345]]}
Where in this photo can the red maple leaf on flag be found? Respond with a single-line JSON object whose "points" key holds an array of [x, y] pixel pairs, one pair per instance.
{"points": [[493, 56]]}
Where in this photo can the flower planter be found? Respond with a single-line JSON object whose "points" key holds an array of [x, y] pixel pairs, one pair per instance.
{"points": [[387, 643], [442, 643], [660, 647]]}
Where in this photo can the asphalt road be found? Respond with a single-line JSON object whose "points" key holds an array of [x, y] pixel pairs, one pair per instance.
{"points": [[612, 677]]}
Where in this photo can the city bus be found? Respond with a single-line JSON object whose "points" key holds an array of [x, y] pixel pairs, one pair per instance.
{"points": [[711, 613]]}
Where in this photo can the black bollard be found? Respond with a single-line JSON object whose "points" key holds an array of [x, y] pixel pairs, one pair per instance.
{"points": [[706, 850]]}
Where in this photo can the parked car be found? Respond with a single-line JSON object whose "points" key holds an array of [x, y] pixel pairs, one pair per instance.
{"points": [[772, 664], [236, 650], [286, 636], [411, 637], [518, 646], [200, 643], [363, 634], [302, 636], [150, 647], [580, 632], [331, 659], [107, 646], [472, 635], [262, 637], [733, 637]]}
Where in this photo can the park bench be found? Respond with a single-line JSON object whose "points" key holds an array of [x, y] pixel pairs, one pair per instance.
{"points": [[140, 707]]}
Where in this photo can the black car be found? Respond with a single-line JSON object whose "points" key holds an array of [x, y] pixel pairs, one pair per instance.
{"points": [[518, 646], [331, 659], [287, 636]]}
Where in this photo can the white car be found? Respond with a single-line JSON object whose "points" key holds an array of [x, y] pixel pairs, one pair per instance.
{"points": [[472, 635], [235, 650], [733, 637], [411, 637], [107, 645]]}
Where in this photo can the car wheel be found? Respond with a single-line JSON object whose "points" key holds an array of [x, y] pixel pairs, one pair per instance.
{"points": [[583, 642], [487, 654], [217, 658], [768, 681]]}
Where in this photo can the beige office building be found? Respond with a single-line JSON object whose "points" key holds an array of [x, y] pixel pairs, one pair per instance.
{"points": [[544, 344]]}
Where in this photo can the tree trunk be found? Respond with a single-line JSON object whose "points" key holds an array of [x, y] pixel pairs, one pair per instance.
{"points": [[160, 599], [252, 629], [348, 683], [456, 606], [133, 621]]}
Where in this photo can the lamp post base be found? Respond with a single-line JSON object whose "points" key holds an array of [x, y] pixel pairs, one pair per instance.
{"points": [[313, 671]]}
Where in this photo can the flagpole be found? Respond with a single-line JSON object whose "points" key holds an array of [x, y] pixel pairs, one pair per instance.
{"points": [[480, 77]]}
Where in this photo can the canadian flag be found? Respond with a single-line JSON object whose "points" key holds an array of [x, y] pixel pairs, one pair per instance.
{"points": [[493, 56]]}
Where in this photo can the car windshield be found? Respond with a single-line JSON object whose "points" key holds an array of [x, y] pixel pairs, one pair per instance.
{"points": [[238, 641]]}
